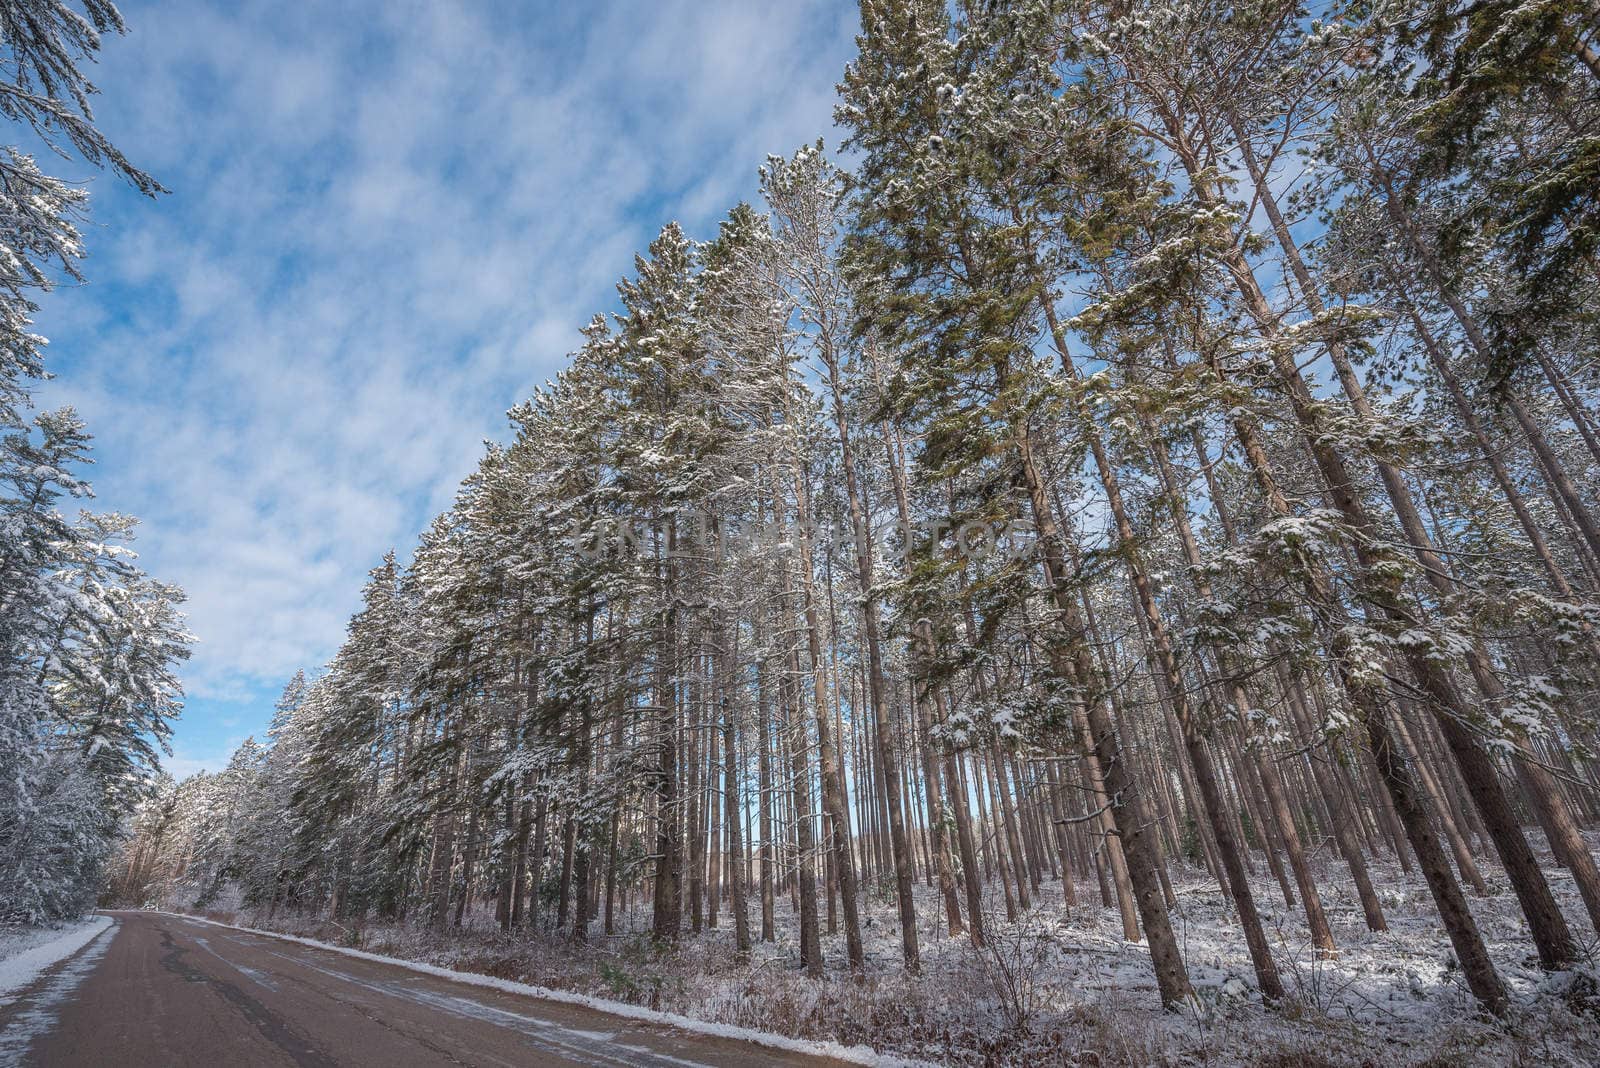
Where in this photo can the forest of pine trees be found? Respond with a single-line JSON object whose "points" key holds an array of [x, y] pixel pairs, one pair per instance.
{"points": [[89, 643], [1163, 440]]}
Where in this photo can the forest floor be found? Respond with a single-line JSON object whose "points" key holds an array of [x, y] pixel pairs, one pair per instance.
{"points": [[1060, 986]]}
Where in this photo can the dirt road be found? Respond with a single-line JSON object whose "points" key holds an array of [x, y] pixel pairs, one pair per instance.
{"points": [[157, 990]]}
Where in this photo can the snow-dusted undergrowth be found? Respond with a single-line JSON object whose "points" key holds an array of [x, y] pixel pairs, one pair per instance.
{"points": [[1061, 986]]}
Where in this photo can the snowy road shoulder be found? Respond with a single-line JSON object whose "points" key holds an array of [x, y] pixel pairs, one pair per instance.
{"points": [[20, 969], [851, 1054]]}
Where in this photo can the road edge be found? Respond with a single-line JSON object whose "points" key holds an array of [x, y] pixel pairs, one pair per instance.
{"points": [[21, 970], [862, 1055]]}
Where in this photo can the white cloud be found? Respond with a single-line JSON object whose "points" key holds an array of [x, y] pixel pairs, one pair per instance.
{"points": [[387, 224]]}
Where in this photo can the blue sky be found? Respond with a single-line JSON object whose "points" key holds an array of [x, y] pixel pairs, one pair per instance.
{"points": [[387, 222]]}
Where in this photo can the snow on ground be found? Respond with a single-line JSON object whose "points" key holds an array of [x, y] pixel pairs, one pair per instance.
{"points": [[20, 972], [1061, 986], [27, 951]]}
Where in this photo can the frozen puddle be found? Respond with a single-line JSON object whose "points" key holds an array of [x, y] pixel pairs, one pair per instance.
{"points": [[38, 1013]]}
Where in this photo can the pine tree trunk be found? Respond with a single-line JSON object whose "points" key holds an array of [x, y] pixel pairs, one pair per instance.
{"points": [[1123, 798], [971, 872], [1199, 756], [467, 859], [732, 798], [1555, 946], [666, 917], [837, 817], [1334, 795], [764, 787], [1406, 805], [1548, 926], [805, 848], [1063, 839], [1316, 918], [938, 830]]}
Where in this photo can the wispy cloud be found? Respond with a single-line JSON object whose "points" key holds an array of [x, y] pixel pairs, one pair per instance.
{"points": [[387, 223]]}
